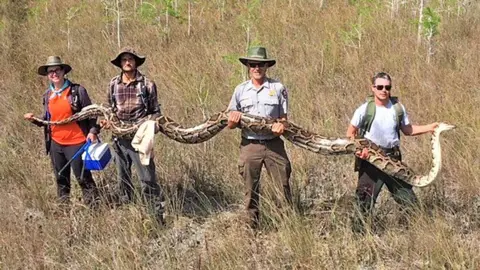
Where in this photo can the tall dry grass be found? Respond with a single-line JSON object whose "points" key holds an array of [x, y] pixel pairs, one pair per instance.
{"points": [[325, 54]]}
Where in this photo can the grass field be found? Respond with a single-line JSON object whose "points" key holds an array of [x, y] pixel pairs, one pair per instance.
{"points": [[326, 52]]}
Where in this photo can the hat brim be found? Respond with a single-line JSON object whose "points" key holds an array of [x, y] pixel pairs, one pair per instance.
{"points": [[139, 60], [42, 70], [245, 60]]}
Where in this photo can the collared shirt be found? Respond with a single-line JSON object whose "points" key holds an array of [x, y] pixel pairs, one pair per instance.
{"points": [[383, 131], [127, 98], [270, 100]]}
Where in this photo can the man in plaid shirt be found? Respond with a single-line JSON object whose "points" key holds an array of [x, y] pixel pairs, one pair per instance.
{"points": [[133, 96]]}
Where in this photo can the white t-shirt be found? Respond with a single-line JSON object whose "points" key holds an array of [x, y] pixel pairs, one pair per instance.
{"points": [[383, 131]]}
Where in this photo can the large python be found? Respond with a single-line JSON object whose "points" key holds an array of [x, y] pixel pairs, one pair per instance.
{"points": [[294, 133]]}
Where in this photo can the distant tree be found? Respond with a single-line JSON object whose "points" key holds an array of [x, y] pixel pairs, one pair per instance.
{"points": [[430, 24], [153, 11], [421, 4], [250, 18], [353, 36], [114, 6], [394, 6], [71, 14]]}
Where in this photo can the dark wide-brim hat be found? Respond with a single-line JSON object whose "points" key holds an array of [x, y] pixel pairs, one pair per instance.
{"points": [[53, 61], [139, 59], [257, 54]]}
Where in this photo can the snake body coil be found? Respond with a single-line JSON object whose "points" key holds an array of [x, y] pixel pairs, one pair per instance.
{"points": [[293, 133]]}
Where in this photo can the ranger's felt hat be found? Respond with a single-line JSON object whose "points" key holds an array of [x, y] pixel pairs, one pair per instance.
{"points": [[257, 54]]}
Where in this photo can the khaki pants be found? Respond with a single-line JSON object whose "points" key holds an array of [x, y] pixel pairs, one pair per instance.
{"points": [[255, 154]]}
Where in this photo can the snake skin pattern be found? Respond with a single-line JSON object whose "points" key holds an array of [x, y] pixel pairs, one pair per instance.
{"points": [[293, 133]]}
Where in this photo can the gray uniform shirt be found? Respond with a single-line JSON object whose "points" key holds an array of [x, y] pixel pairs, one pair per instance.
{"points": [[270, 100]]}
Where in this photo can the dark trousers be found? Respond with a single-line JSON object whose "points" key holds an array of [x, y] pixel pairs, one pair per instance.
{"points": [[255, 154], [60, 155], [125, 157], [370, 183]]}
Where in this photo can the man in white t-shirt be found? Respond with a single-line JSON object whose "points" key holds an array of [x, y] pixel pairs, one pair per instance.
{"points": [[389, 119]]}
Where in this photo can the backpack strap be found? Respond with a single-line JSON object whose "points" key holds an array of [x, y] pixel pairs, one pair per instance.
{"points": [[74, 98], [366, 124], [397, 106], [113, 91], [367, 121], [143, 92]]}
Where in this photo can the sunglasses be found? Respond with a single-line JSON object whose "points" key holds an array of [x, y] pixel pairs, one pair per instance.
{"points": [[255, 65], [57, 70], [380, 87]]}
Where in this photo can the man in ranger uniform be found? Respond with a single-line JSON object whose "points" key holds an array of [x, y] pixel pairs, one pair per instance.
{"points": [[264, 97]]}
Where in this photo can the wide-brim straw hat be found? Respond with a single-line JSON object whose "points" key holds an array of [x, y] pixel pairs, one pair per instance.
{"points": [[139, 59], [257, 54], [53, 61]]}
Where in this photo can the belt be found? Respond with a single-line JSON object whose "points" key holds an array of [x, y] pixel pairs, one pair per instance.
{"points": [[247, 141]]}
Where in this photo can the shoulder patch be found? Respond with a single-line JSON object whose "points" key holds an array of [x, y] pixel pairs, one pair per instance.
{"points": [[285, 93]]}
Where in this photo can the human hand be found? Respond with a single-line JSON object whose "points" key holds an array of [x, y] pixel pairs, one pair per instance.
{"points": [[433, 126], [234, 119], [104, 124], [362, 154], [28, 116], [278, 129], [92, 137]]}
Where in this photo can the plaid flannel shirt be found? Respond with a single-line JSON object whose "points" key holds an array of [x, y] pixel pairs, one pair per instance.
{"points": [[127, 98]]}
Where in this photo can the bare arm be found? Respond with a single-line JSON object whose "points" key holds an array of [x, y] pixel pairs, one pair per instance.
{"points": [[414, 130], [352, 131]]}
